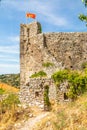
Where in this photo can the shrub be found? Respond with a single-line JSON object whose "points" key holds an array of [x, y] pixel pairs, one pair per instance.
{"points": [[77, 82], [2, 91], [39, 74], [60, 76], [11, 101]]}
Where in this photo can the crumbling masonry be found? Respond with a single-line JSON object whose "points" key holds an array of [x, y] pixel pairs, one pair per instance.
{"points": [[63, 50]]}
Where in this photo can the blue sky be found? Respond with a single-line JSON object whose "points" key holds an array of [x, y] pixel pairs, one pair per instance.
{"points": [[54, 16]]}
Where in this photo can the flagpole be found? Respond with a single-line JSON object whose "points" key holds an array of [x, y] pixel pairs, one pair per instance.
{"points": [[26, 20]]}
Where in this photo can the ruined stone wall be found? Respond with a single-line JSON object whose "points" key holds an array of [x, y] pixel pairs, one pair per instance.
{"points": [[33, 92], [64, 50], [68, 48]]}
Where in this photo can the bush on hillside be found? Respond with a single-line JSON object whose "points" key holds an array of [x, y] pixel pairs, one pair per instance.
{"points": [[11, 79]]}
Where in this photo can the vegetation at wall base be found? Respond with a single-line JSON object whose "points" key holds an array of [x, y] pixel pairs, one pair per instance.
{"points": [[46, 98], [77, 81], [38, 74]]}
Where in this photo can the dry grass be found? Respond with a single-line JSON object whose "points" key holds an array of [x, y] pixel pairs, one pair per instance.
{"points": [[8, 88], [11, 117], [71, 116]]}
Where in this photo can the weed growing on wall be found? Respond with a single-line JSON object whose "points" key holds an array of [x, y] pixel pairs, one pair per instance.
{"points": [[38, 74], [47, 64], [40, 28]]}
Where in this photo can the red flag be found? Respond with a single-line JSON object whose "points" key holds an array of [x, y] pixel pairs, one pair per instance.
{"points": [[30, 15]]}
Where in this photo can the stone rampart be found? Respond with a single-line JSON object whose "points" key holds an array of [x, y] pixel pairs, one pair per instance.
{"points": [[63, 50]]}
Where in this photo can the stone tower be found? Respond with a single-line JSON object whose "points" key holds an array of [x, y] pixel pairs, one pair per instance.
{"points": [[28, 39]]}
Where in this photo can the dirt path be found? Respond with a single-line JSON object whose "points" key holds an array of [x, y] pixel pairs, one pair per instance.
{"points": [[30, 124]]}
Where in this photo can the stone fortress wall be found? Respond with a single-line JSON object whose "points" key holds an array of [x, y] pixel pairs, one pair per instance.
{"points": [[64, 50]]}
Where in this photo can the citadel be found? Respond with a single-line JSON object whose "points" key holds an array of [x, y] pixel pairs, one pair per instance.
{"points": [[61, 50]]}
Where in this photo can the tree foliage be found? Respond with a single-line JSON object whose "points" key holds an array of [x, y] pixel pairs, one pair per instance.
{"points": [[83, 17], [11, 79]]}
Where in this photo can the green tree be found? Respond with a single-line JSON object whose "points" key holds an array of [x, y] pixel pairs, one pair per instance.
{"points": [[83, 17]]}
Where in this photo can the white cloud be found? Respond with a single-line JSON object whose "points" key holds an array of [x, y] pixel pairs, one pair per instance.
{"points": [[43, 9], [9, 68], [56, 20], [10, 39], [9, 59], [12, 49], [14, 39], [9, 65]]}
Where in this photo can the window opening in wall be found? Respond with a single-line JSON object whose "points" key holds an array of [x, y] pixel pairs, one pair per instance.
{"points": [[71, 66], [36, 94], [70, 57], [65, 96]]}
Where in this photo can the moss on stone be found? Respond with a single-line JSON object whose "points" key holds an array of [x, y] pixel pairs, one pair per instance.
{"points": [[39, 74], [47, 64]]}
